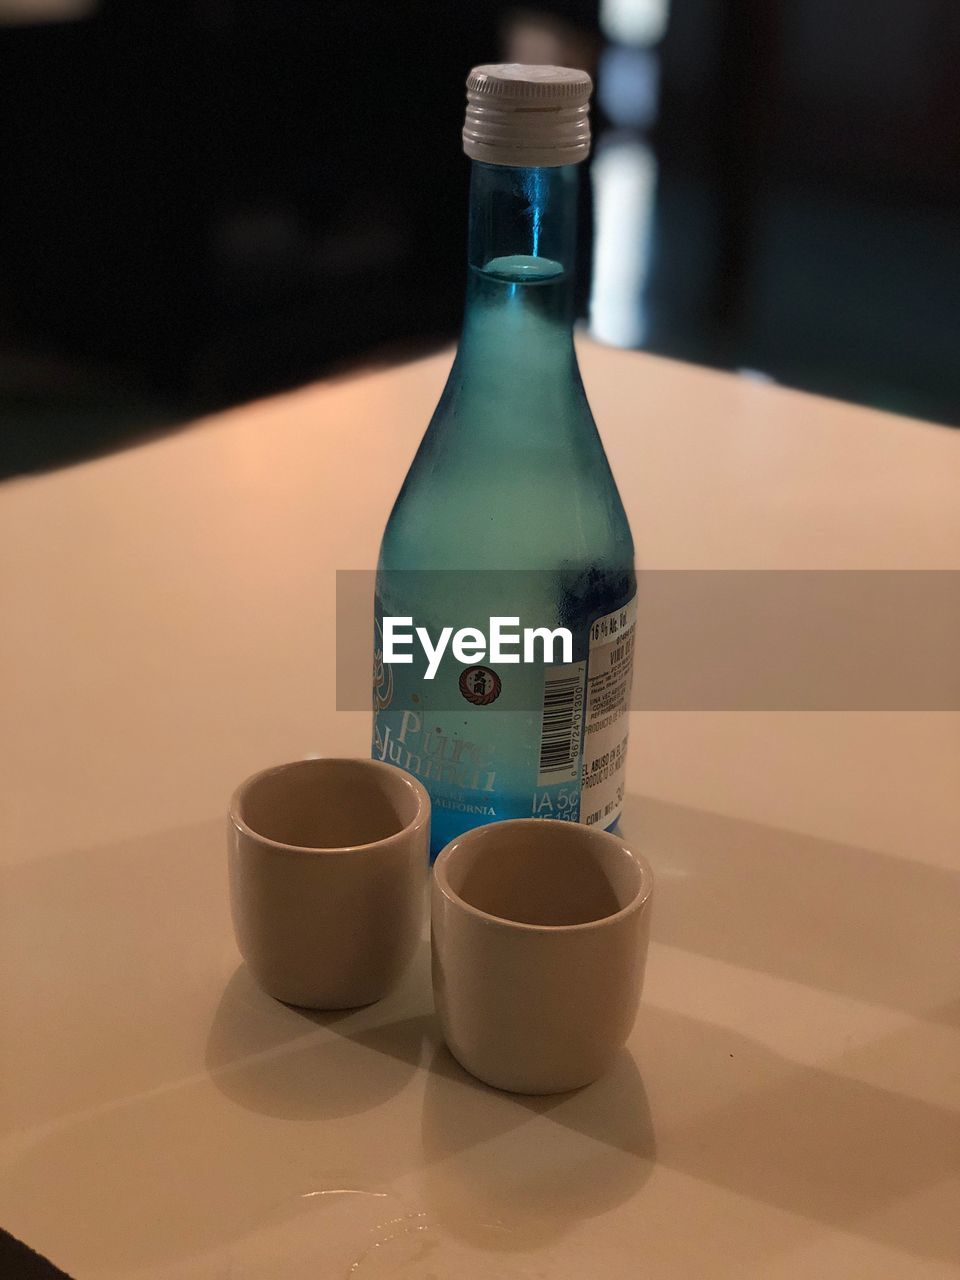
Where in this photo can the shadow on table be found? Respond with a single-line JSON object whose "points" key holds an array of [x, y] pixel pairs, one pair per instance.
{"points": [[814, 1142], [498, 1177], [266, 1057], [152, 1161], [831, 916], [169, 1174]]}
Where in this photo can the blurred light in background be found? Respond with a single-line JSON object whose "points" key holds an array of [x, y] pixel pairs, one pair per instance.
{"points": [[625, 169], [624, 177], [636, 22], [628, 86], [527, 35], [776, 188], [17, 12]]}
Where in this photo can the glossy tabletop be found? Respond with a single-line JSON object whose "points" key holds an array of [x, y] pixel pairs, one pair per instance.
{"points": [[789, 1103]]}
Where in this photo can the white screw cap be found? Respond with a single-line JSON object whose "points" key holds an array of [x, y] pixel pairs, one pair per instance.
{"points": [[527, 115]]}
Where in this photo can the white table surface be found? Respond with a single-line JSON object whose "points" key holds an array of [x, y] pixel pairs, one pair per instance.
{"points": [[788, 1104]]}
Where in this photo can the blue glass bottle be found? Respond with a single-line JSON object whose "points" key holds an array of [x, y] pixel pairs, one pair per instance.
{"points": [[510, 509]]}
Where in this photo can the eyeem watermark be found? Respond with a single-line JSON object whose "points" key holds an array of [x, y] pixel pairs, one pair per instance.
{"points": [[506, 643], [705, 639]]}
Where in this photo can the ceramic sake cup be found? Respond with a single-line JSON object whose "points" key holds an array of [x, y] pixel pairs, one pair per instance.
{"points": [[539, 942], [328, 861]]}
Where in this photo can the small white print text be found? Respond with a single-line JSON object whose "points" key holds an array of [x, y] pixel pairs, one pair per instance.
{"points": [[507, 643]]}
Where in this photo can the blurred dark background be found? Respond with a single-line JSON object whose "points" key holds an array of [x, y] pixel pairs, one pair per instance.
{"points": [[204, 201]]}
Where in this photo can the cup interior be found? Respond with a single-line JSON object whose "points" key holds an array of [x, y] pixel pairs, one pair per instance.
{"points": [[328, 804], [537, 872]]}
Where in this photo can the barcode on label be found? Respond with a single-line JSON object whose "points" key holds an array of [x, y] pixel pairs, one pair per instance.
{"points": [[562, 725]]}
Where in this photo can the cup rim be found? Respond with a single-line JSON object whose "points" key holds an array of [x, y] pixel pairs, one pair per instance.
{"points": [[416, 824], [636, 903]]}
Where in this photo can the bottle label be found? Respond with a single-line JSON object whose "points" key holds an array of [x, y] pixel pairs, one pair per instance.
{"points": [[583, 740], [609, 680], [522, 741]]}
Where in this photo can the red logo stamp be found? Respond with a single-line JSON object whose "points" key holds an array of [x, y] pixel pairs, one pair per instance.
{"points": [[480, 685]]}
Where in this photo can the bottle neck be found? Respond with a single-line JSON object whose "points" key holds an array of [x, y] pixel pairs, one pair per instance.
{"points": [[523, 221], [522, 244]]}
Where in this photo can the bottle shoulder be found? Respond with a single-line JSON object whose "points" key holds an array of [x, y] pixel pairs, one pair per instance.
{"points": [[518, 513], [512, 472]]}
